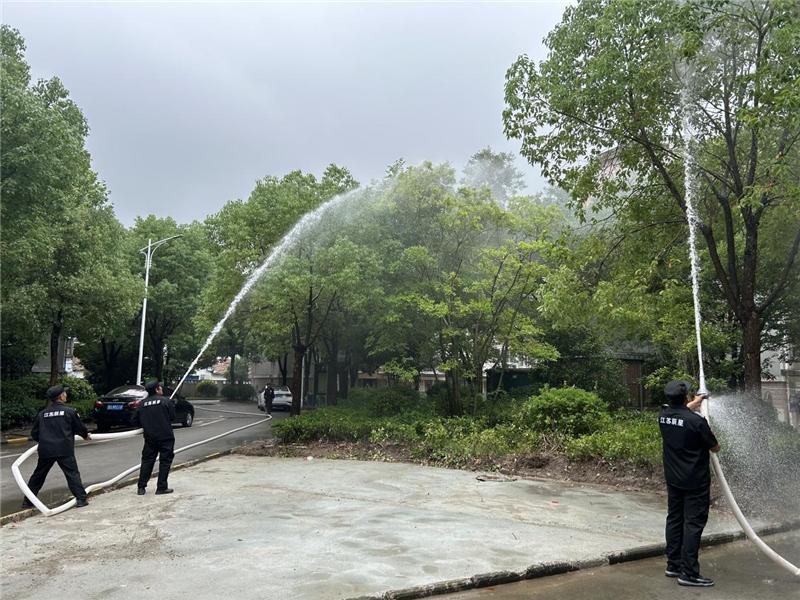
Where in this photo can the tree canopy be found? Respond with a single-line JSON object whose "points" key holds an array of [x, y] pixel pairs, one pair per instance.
{"points": [[63, 271], [604, 117]]}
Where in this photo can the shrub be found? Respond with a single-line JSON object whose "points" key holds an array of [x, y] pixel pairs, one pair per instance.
{"points": [[81, 395], [500, 407], [523, 392], [238, 391], [384, 402], [632, 437], [332, 423], [459, 440], [206, 389], [439, 398], [570, 411], [655, 382], [393, 431], [23, 398]]}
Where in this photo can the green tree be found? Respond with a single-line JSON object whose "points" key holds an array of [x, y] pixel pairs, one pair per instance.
{"points": [[602, 116], [63, 272], [462, 273], [496, 172], [178, 275], [243, 234]]}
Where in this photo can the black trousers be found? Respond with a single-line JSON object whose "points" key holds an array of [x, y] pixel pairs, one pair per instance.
{"points": [[268, 405], [165, 450], [68, 465], [687, 514]]}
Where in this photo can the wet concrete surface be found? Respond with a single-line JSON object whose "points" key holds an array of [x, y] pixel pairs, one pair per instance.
{"points": [[740, 571], [262, 527]]}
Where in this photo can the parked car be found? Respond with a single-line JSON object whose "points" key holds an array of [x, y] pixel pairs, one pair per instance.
{"points": [[282, 401], [117, 407]]}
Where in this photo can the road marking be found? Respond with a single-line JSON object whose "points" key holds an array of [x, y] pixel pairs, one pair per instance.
{"points": [[11, 455], [212, 422]]}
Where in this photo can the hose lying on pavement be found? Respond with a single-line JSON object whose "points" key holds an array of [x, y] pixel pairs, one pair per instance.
{"points": [[49, 512]]}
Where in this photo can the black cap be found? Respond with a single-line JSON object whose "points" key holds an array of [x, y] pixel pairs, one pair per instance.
{"points": [[676, 390], [55, 391], [152, 385]]}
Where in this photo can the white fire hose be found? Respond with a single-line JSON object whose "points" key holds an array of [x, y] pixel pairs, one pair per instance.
{"points": [[49, 512], [737, 512]]}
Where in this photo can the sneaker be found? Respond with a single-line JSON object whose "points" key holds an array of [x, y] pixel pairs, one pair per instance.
{"points": [[26, 504], [670, 573], [141, 491], [698, 581], [80, 503], [165, 491]]}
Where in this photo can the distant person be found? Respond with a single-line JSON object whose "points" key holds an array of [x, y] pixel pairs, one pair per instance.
{"points": [[269, 396], [687, 441], [155, 416], [55, 429]]}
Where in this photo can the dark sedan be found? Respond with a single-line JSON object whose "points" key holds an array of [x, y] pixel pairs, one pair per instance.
{"points": [[117, 407]]}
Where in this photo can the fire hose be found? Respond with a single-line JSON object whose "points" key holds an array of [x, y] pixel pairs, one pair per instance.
{"points": [[49, 512]]}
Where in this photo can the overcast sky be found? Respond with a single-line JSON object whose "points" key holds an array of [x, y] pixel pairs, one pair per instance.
{"points": [[189, 103]]}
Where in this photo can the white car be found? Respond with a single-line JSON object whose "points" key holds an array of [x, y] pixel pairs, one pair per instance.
{"points": [[282, 400]]}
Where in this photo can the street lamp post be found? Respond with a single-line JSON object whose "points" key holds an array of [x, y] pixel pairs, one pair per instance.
{"points": [[148, 252]]}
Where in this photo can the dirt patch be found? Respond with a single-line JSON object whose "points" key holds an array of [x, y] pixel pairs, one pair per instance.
{"points": [[532, 466], [554, 465]]}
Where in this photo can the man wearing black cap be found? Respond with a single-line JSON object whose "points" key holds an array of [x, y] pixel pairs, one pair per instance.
{"points": [[155, 416], [55, 429], [687, 441]]}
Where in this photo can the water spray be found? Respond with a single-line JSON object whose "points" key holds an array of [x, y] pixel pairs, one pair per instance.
{"points": [[307, 221], [694, 223]]}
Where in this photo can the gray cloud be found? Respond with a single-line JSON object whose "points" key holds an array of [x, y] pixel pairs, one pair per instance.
{"points": [[190, 103]]}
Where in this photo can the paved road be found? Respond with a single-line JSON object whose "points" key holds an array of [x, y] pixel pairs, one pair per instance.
{"points": [[740, 570], [101, 460]]}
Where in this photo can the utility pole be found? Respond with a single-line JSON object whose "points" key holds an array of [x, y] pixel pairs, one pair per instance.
{"points": [[148, 252]]}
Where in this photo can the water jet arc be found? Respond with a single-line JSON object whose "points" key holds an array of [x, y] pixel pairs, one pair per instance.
{"points": [[306, 222]]}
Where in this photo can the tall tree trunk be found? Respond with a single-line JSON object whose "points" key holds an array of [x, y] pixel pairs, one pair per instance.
{"points": [[297, 377], [232, 369], [317, 366], [750, 317], [110, 355], [344, 381], [453, 379], [55, 337], [751, 350], [307, 371], [333, 372], [283, 368]]}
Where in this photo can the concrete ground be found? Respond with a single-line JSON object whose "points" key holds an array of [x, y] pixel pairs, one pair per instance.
{"points": [[740, 570], [258, 527]]}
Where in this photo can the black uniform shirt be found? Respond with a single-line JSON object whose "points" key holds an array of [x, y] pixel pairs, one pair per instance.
{"points": [[55, 429], [687, 440], [155, 415]]}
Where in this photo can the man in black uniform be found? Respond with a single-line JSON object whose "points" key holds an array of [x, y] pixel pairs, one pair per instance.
{"points": [[155, 416], [687, 440], [55, 429], [269, 396]]}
